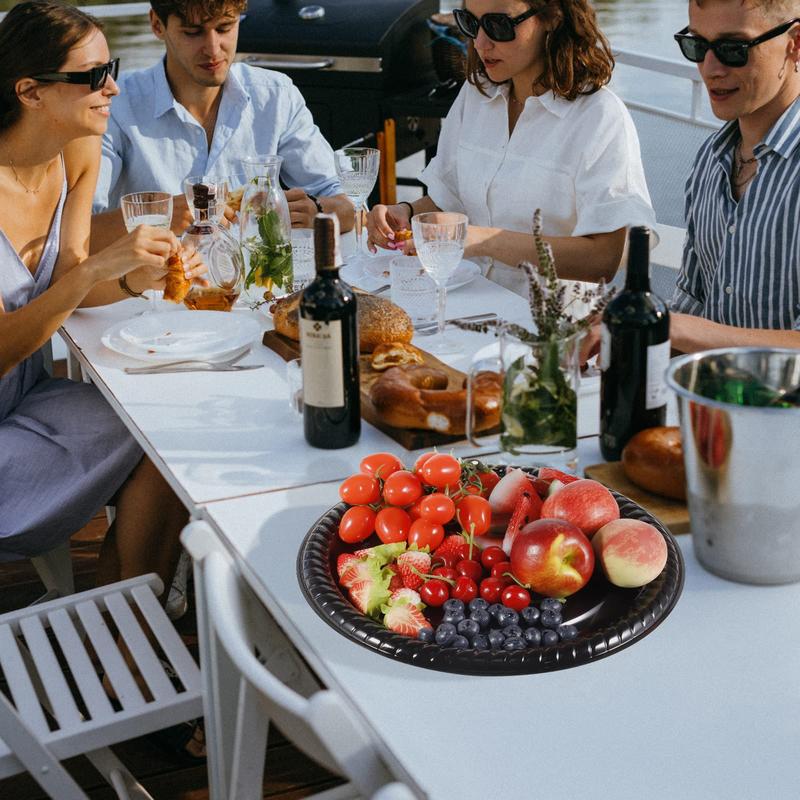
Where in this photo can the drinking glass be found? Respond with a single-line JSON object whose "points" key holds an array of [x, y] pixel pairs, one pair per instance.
{"points": [[357, 168], [439, 238], [147, 208], [220, 188]]}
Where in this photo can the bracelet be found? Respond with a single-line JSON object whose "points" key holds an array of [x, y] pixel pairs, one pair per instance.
{"points": [[316, 202], [410, 207], [123, 284]]}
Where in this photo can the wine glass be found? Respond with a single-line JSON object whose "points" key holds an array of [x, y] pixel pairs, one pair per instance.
{"points": [[357, 168], [439, 238], [147, 208], [220, 188]]}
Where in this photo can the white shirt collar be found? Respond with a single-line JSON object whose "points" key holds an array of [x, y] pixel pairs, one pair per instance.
{"points": [[549, 100]]}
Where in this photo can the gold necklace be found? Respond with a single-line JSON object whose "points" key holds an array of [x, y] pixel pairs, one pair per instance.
{"points": [[22, 183]]}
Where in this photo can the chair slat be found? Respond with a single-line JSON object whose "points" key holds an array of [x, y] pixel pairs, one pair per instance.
{"points": [[80, 664], [117, 671], [168, 638], [19, 683], [62, 704], [141, 649]]}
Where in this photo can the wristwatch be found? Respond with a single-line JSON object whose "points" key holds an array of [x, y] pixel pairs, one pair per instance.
{"points": [[316, 202]]}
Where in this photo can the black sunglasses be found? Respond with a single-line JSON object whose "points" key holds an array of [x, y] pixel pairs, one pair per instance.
{"points": [[498, 27], [96, 77], [730, 52]]}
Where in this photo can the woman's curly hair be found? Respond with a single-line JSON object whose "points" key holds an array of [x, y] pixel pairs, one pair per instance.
{"points": [[577, 57]]}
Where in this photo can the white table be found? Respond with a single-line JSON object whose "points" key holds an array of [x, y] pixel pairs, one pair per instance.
{"points": [[705, 707], [231, 434]]}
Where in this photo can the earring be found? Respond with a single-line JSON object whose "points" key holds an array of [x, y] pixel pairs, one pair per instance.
{"points": [[797, 66]]}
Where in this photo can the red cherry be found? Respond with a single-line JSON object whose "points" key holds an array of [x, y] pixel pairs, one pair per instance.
{"points": [[465, 589], [493, 555], [434, 593], [491, 589], [516, 597], [446, 572], [499, 571], [448, 559], [470, 568]]}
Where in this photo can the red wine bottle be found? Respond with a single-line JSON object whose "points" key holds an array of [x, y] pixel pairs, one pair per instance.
{"points": [[634, 354], [329, 347]]}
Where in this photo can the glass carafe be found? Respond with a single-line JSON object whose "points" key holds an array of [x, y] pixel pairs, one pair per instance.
{"points": [[265, 228]]}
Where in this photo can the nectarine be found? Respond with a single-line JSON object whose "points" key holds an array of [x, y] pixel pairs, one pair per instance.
{"points": [[585, 503], [631, 552]]}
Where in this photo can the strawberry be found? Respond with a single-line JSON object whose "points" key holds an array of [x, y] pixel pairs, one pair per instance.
{"points": [[527, 509], [396, 582], [405, 619], [356, 570], [406, 596], [344, 561], [382, 553], [371, 590], [408, 562], [452, 550]]}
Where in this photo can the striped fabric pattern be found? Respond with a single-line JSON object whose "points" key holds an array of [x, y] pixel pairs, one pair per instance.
{"points": [[741, 260]]}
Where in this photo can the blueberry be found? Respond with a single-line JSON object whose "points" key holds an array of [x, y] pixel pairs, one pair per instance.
{"points": [[507, 617], [482, 617], [445, 633], [550, 604], [514, 643], [529, 616], [496, 639], [512, 631], [567, 632], [455, 616], [480, 642], [426, 635], [532, 637], [468, 628], [550, 619], [495, 608], [478, 604], [549, 637], [460, 643], [453, 605]]}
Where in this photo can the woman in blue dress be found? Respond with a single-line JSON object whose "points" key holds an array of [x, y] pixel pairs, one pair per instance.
{"points": [[64, 453]]}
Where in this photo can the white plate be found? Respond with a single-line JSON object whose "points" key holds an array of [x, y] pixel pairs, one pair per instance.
{"points": [[177, 335], [466, 271]]}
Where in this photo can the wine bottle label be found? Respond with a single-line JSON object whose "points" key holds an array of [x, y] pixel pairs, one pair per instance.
{"points": [[323, 376], [657, 363], [604, 359]]}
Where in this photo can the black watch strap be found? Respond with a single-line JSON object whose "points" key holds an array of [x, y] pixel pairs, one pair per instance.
{"points": [[316, 202]]}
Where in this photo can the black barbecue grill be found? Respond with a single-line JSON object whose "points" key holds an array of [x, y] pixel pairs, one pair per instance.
{"points": [[347, 57]]}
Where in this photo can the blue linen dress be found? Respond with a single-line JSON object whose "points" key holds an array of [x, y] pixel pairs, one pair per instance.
{"points": [[63, 451]]}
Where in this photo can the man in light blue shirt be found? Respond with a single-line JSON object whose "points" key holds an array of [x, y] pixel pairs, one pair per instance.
{"points": [[197, 113]]}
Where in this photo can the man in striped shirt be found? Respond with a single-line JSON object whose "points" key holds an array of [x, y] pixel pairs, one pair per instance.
{"points": [[740, 279]]}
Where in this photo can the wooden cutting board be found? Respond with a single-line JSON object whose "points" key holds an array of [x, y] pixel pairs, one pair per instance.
{"points": [[410, 439], [672, 513]]}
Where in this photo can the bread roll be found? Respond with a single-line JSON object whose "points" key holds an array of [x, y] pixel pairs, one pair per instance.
{"points": [[653, 459], [379, 320], [395, 354]]}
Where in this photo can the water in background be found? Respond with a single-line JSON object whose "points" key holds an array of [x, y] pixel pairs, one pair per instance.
{"points": [[642, 25]]}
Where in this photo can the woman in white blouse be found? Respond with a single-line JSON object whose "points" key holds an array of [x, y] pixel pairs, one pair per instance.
{"points": [[534, 127]]}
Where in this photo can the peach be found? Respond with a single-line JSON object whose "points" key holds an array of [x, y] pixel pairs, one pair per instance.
{"points": [[631, 552], [585, 503]]}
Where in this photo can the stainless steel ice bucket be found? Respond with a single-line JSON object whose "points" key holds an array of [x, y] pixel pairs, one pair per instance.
{"points": [[742, 466]]}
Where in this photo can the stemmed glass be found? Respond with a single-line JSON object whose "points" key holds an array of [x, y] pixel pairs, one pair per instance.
{"points": [[357, 168], [439, 238], [147, 208]]}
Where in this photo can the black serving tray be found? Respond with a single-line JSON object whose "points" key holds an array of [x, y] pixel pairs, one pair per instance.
{"points": [[608, 618]]}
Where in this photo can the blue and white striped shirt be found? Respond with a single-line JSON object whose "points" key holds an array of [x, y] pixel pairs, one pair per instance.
{"points": [[741, 260]]}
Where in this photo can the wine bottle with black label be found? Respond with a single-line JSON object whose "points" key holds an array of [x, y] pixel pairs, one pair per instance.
{"points": [[329, 347], [634, 354]]}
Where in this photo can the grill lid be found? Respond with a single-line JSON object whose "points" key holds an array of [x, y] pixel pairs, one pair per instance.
{"points": [[331, 27]]}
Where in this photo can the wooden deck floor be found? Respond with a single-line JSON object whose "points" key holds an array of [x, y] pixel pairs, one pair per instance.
{"points": [[288, 775]]}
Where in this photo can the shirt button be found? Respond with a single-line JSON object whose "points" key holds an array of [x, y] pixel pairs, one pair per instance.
{"points": [[729, 290], [731, 229]]}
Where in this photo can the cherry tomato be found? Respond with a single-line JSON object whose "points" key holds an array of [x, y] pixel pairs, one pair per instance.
{"points": [[465, 589], [421, 460], [357, 524], [360, 490], [402, 488], [424, 533], [470, 568], [392, 525], [434, 593], [488, 481], [491, 589], [414, 511], [380, 465], [474, 514], [516, 597], [441, 470], [499, 571], [446, 572], [437, 507], [493, 555]]}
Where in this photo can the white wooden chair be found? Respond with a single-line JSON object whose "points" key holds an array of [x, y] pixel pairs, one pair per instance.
{"points": [[248, 665], [56, 707]]}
